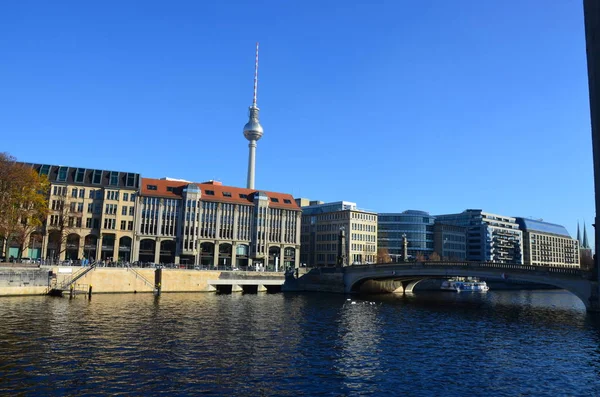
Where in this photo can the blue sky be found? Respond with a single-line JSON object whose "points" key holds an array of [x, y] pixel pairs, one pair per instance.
{"points": [[433, 105]]}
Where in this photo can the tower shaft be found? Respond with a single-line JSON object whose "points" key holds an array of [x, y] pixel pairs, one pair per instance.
{"points": [[251, 164]]}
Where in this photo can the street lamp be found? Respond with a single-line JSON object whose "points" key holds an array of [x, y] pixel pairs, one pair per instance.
{"points": [[444, 256]]}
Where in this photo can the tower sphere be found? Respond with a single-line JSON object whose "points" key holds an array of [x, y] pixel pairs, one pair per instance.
{"points": [[253, 131]]}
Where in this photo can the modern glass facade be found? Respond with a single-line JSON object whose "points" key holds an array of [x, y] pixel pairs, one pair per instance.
{"points": [[416, 225], [490, 237]]}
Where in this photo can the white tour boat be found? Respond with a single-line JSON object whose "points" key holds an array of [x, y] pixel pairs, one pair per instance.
{"points": [[467, 285]]}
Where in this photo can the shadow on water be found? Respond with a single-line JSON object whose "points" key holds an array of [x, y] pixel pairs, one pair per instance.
{"points": [[548, 308]]}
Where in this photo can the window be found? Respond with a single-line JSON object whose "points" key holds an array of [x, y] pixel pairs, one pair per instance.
{"points": [[92, 193], [286, 201], [130, 182], [109, 223], [123, 212], [125, 196], [226, 194], [97, 177], [275, 200], [62, 174], [79, 175], [112, 195], [132, 197], [123, 224], [114, 178], [243, 196], [209, 192], [131, 210], [169, 188], [88, 223], [72, 207], [74, 193], [81, 193], [130, 225], [151, 187], [71, 221], [90, 207], [79, 207], [78, 222], [44, 170]]}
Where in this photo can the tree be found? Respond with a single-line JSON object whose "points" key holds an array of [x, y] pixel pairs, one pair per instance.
{"points": [[420, 257], [434, 257], [23, 201], [383, 255]]}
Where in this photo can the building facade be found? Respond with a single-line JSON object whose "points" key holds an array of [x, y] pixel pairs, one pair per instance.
{"points": [[548, 244], [320, 233], [418, 226], [91, 215], [208, 224], [450, 241], [490, 237]]}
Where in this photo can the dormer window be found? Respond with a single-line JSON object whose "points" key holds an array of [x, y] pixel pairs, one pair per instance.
{"points": [[79, 175], [170, 188], [209, 192], [243, 196], [62, 174], [226, 194], [287, 201], [151, 187], [114, 178], [97, 177], [274, 200]]}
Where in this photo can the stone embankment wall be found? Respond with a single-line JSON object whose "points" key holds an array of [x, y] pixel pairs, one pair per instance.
{"points": [[36, 281], [23, 281]]}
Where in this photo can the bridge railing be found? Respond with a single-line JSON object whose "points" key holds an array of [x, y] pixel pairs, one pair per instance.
{"points": [[512, 267]]}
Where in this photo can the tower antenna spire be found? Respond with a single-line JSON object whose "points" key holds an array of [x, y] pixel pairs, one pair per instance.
{"points": [[255, 76]]}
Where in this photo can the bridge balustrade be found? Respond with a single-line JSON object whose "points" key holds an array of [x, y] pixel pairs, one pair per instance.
{"points": [[546, 270]]}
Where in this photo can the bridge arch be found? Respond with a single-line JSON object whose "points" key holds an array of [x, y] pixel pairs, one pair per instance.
{"points": [[407, 276]]}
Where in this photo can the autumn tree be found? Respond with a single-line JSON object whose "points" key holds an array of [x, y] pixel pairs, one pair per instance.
{"points": [[383, 255], [23, 202], [420, 257], [434, 257]]}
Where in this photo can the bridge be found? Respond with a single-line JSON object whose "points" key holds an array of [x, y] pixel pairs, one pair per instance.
{"points": [[403, 277]]}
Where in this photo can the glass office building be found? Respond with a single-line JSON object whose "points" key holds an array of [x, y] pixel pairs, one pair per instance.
{"points": [[416, 225]]}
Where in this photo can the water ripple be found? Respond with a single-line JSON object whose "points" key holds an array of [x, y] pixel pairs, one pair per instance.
{"points": [[501, 343]]}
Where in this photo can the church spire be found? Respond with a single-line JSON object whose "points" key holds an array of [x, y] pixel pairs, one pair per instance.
{"points": [[585, 239], [579, 235]]}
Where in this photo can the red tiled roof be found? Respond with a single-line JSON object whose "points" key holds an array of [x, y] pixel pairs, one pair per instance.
{"points": [[175, 191]]}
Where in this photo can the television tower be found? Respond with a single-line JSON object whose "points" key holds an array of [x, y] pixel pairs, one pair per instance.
{"points": [[253, 131]]}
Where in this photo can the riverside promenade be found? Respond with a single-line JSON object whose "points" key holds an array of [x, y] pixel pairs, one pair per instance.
{"points": [[16, 280]]}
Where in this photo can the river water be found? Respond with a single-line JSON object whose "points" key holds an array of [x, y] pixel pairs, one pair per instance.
{"points": [[433, 343]]}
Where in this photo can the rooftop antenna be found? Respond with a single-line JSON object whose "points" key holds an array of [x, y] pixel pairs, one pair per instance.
{"points": [[255, 76]]}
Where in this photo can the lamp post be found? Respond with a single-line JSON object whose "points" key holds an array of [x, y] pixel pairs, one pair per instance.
{"points": [[444, 256]]}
